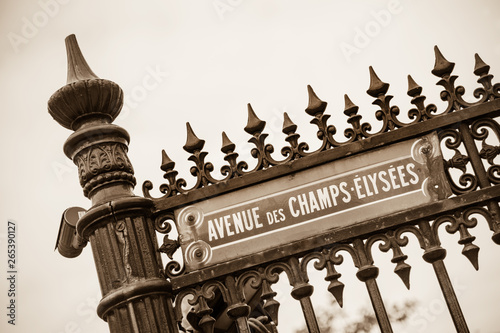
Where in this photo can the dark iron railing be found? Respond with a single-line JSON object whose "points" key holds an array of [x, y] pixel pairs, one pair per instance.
{"points": [[140, 295], [460, 127]]}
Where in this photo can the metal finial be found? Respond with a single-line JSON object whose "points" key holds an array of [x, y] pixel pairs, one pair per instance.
{"points": [[192, 142], [403, 271], [166, 163], [471, 252], [480, 67], [442, 66], [350, 108], [78, 69], [254, 124], [85, 97], [288, 125], [316, 105], [336, 288], [377, 87], [413, 88], [227, 145]]}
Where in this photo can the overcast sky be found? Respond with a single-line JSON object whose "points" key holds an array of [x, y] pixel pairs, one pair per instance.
{"points": [[209, 59]]}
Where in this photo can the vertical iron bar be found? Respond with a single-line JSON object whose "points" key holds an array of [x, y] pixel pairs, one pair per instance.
{"points": [[308, 310], [480, 172], [435, 254], [450, 297], [237, 310], [475, 159], [302, 292], [378, 306], [367, 273]]}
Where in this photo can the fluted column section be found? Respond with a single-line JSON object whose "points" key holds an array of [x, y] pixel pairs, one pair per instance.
{"points": [[136, 295]]}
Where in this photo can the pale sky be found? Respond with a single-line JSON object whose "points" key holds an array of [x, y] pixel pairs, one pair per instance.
{"points": [[209, 59]]}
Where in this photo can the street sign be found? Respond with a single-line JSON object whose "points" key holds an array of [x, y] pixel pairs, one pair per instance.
{"points": [[291, 208]]}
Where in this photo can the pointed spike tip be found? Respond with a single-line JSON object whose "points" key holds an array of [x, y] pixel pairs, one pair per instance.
{"points": [[193, 143], [471, 251], [480, 67], [288, 125], [227, 145], [350, 108], [336, 288], [78, 69], [377, 86], [403, 271], [166, 163], [316, 105], [254, 124], [413, 88], [442, 67]]}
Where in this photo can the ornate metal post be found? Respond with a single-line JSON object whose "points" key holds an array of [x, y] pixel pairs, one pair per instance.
{"points": [[136, 296]]}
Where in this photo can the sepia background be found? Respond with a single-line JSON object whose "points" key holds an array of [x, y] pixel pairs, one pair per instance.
{"points": [[202, 62]]}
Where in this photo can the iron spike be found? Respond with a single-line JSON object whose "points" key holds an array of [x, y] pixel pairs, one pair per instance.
{"points": [[442, 66], [78, 69], [336, 288], [471, 251], [254, 124], [403, 271], [377, 87], [413, 88], [288, 125], [193, 143], [350, 109], [316, 105], [227, 145], [480, 67], [166, 163]]}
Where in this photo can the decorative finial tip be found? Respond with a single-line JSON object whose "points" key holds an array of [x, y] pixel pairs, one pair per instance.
{"points": [[227, 145], [254, 124], [413, 88], [166, 163], [288, 126], [193, 143], [350, 108], [316, 105], [78, 69], [377, 87], [86, 98], [480, 68], [442, 67]]}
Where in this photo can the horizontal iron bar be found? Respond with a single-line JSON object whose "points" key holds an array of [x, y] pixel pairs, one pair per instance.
{"points": [[428, 211], [491, 109]]}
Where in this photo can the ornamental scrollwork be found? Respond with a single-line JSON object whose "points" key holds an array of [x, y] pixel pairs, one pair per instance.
{"points": [[467, 182], [163, 224], [357, 131]]}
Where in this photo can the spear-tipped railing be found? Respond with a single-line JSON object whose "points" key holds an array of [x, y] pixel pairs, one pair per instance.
{"points": [[237, 295]]}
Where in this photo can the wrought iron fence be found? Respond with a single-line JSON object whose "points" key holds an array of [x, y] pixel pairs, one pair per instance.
{"points": [[235, 293], [467, 131]]}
